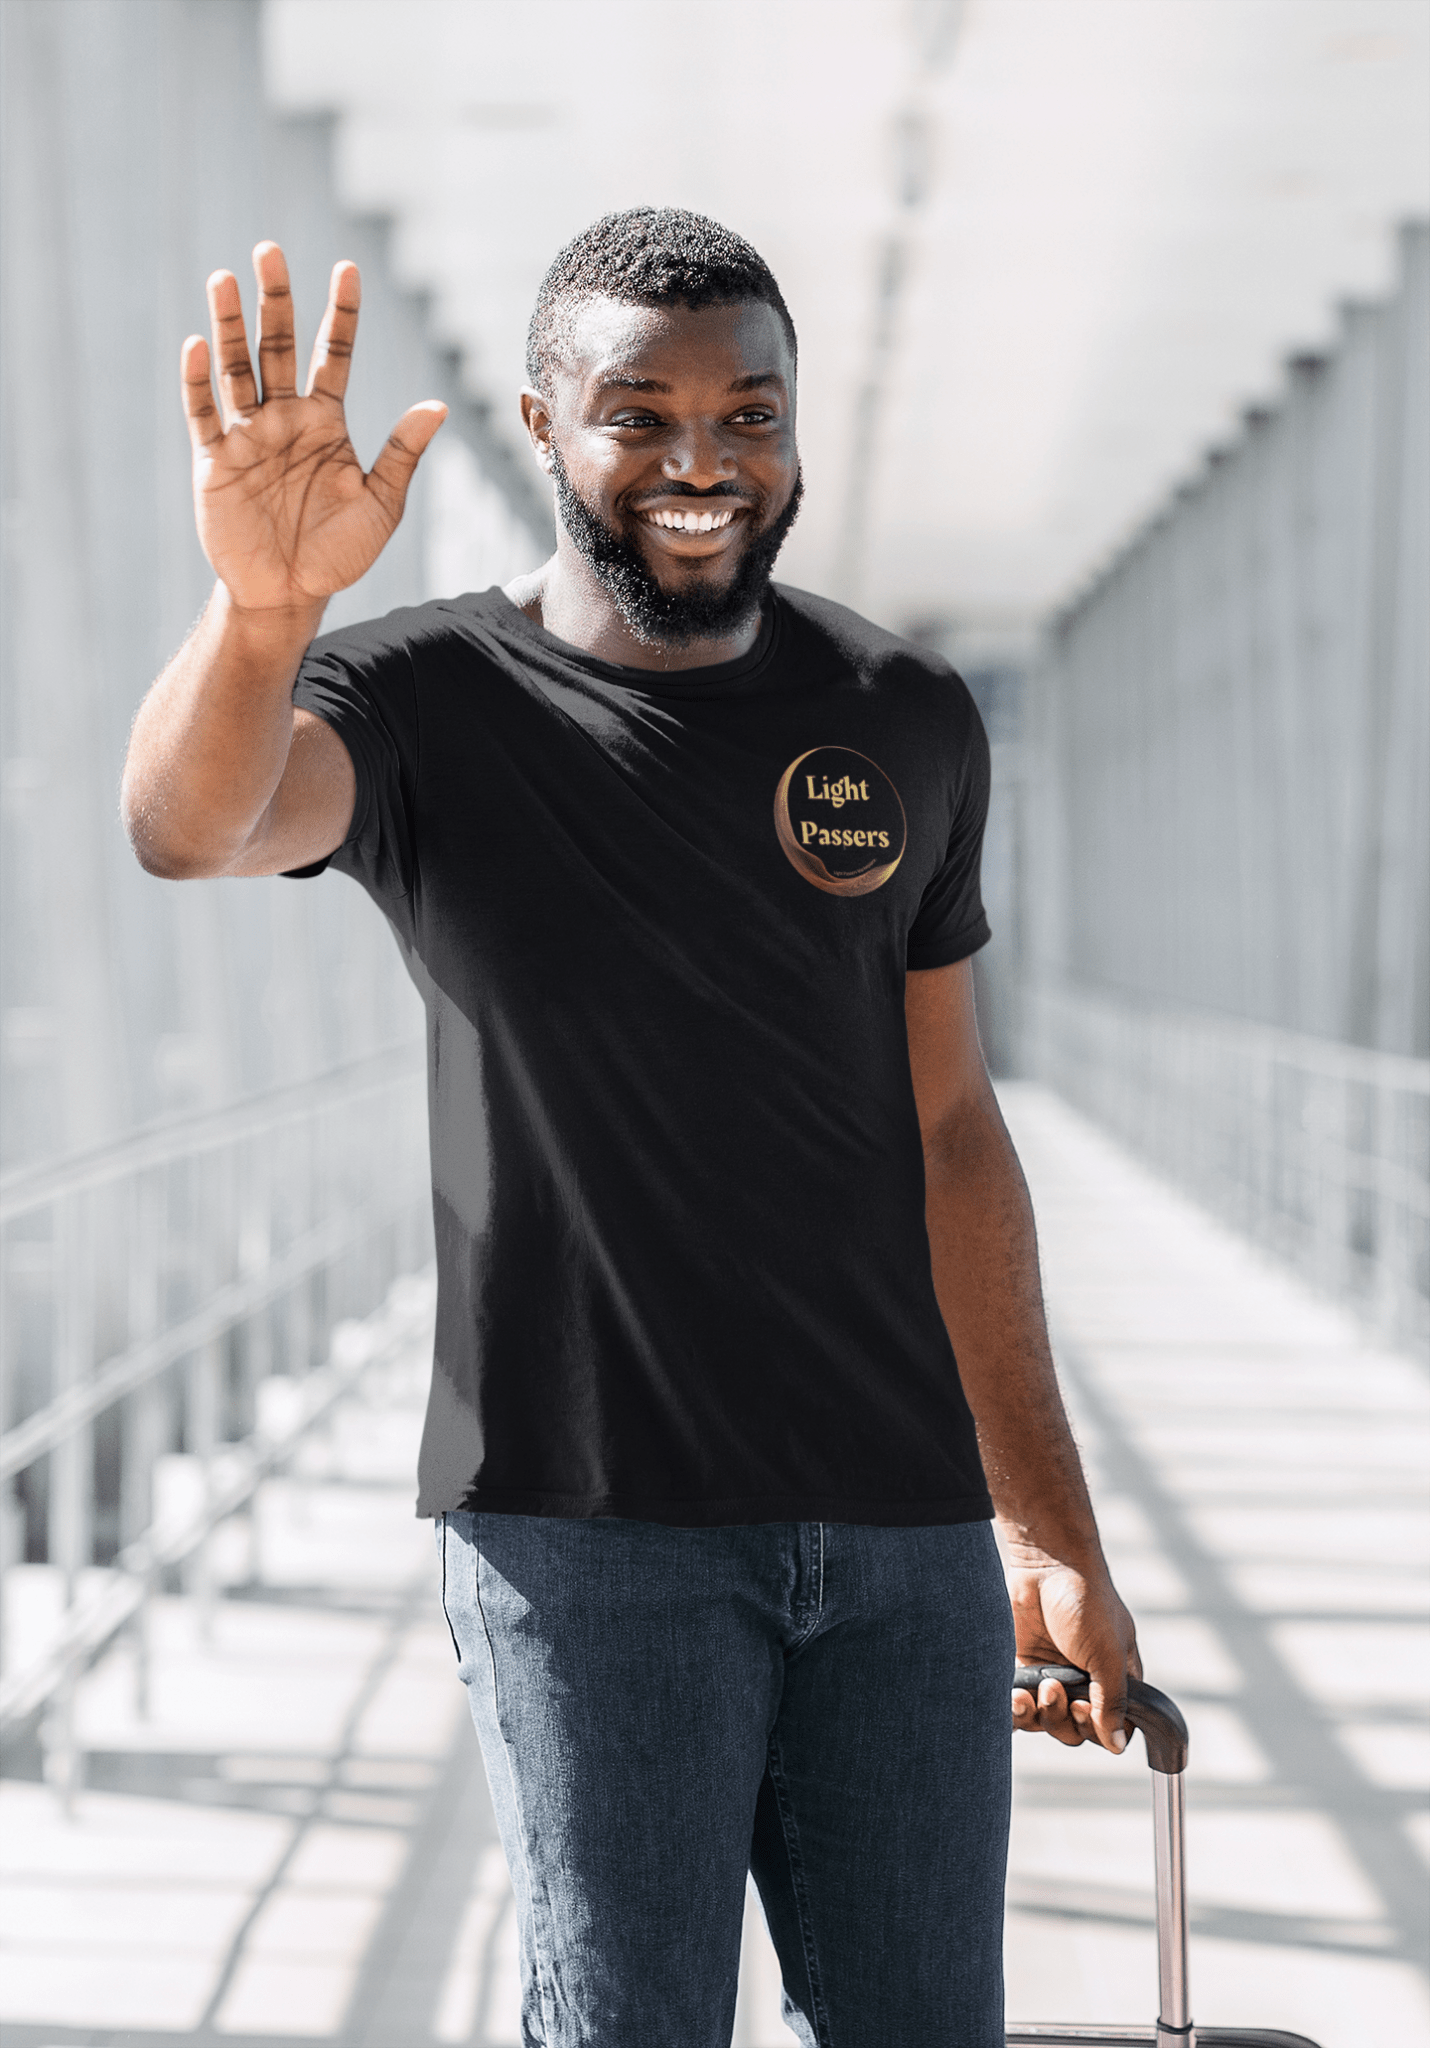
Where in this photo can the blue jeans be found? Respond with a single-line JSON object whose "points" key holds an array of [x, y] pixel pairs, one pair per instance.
{"points": [[661, 1710]]}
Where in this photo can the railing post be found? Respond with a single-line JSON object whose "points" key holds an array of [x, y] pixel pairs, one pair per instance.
{"points": [[11, 1516], [201, 1384], [255, 1253], [202, 1434], [144, 1410], [1394, 1277], [71, 1361], [71, 1463], [63, 1762]]}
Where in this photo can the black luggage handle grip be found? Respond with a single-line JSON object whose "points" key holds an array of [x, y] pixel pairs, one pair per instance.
{"points": [[1163, 1729]]}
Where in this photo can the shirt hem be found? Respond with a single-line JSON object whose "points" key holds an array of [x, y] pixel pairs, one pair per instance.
{"points": [[738, 1511]]}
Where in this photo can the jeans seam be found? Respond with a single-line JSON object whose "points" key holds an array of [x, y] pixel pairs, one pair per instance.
{"points": [[811, 1627], [547, 2017], [790, 1830], [456, 1646]]}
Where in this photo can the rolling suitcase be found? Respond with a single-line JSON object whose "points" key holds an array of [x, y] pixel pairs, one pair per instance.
{"points": [[1165, 1734]]}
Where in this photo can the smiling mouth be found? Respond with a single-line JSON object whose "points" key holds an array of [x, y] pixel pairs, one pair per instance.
{"points": [[688, 522]]}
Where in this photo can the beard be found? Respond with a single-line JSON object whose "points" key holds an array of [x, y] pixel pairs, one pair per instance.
{"points": [[672, 618]]}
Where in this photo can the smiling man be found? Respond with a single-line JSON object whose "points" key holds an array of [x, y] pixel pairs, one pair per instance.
{"points": [[737, 1273]]}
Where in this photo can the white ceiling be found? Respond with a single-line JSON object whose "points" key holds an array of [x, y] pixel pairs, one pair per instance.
{"points": [[1130, 210]]}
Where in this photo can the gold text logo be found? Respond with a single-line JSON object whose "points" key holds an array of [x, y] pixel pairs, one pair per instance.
{"points": [[840, 821]]}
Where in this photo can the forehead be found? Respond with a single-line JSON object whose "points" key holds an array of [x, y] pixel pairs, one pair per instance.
{"points": [[668, 344]]}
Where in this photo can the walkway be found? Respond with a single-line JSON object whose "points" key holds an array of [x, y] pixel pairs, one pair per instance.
{"points": [[1259, 1475], [295, 1844]]}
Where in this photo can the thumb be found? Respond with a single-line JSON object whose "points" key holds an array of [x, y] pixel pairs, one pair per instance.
{"points": [[391, 474]]}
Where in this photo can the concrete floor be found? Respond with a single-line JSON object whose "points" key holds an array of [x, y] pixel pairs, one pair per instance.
{"points": [[295, 1844], [1258, 1469]]}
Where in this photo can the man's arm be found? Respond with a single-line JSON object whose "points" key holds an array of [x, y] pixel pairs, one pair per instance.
{"points": [[985, 1268], [224, 777]]}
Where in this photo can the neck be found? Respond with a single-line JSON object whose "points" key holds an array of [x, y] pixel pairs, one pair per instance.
{"points": [[566, 596]]}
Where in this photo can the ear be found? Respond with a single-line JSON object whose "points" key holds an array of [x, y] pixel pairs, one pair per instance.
{"points": [[536, 415]]}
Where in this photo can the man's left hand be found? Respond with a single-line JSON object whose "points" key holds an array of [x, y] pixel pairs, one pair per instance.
{"points": [[1062, 1616]]}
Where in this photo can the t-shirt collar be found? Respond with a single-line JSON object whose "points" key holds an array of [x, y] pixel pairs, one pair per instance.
{"points": [[683, 682]]}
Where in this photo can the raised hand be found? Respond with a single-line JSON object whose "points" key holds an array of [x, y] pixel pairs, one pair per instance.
{"points": [[285, 513]]}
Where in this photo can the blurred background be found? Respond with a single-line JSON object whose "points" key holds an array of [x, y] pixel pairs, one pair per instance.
{"points": [[1115, 389]]}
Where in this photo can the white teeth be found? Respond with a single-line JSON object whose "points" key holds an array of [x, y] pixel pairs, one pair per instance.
{"points": [[692, 522]]}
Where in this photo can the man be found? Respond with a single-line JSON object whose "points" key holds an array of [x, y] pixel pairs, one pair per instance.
{"points": [[686, 868]]}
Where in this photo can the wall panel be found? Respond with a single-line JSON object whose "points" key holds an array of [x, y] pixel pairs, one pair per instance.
{"points": [[1226, 774]]}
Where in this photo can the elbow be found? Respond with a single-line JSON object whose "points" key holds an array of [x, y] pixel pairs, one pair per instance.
{"points": [[159, 852], [164, 865]]}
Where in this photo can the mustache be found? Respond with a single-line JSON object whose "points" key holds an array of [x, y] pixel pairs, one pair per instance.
{"points": [[679, 490]]}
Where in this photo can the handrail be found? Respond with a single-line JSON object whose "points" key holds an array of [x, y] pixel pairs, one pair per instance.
{"points": [[94, 1623], [119, 1376], [1305, 1144], [1336, 1058], [24, 1188]]}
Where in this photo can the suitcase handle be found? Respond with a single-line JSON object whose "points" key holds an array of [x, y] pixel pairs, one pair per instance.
{"points": [[1165, 1734], [1163, 1729]]}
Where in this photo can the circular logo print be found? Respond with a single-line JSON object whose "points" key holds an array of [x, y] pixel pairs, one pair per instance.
{"points": [[840, 821]]}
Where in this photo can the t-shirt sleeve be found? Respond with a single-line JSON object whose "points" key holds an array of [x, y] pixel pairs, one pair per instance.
{"points": [[950, 923], [361, 683]]}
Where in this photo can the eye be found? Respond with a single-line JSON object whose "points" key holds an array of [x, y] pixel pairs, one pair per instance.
{"points": [[753, 416], [635, 419]]}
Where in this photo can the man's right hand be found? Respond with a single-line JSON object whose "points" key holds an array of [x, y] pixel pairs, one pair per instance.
{"points": [[285, 514], [224, 775]]}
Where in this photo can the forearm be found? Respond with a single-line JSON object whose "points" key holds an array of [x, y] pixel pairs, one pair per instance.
{"points": [[985, 1268], [212, 739]]}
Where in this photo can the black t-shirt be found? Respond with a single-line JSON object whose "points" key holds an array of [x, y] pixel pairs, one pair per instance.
{"points": [[661, 924]]}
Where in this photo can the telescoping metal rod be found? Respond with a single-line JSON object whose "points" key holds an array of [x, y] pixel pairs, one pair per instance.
{"points": [[1169, 1807], [1165, 1734]]}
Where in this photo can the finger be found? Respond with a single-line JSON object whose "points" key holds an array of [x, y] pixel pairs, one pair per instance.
{"points": [[200, 413], [333, 349], [236, 384], [392, 472], [277, 357], [1025, 1711], [1108, 1697], [1052, 1701], [1053, 1716]]}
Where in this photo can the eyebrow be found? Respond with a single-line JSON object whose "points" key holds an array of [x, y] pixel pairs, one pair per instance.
{"points": [[616, 381]]}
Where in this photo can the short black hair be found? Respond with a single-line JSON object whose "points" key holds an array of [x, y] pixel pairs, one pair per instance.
{"points": [[648, 256]]}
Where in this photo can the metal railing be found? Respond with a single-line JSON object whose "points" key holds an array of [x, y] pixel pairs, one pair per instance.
{"points": [[1319, 1151], [150, 1289], [113, 1600]]}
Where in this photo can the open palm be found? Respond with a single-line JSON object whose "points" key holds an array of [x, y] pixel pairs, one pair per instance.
{"points": [[285, 512]]}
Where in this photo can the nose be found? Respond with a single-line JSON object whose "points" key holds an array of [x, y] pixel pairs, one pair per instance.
{"points": [[698, 456]]}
